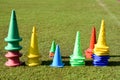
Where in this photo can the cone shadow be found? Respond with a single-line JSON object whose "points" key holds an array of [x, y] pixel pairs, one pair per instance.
{"points": [[65, 57], [67, 63], [110, 63], [88, 63], [114, 63], [114, 55], [48, 62], [23, 64]]}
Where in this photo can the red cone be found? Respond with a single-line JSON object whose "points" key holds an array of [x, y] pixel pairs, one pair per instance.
{"points": [[89, 51]]}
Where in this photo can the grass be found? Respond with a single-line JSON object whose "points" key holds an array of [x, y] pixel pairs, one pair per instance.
{"points": [[59, 20]]}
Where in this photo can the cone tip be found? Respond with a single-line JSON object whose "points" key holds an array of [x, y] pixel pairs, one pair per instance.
{"points": [[57, 45], [13, 11], [103, 21], [93, 27], [78, 31], [34, 29], [53, 41]]}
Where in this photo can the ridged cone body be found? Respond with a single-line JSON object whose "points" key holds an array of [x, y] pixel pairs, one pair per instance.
{"points": [[89, 51], [34, 55], [77, 59], [13, 37], [101, 48], [13, 58], [100, 60], [57, 61]]}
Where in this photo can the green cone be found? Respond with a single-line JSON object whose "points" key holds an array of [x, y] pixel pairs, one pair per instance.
{"points": [[77, 58], [13, 37], [53, 47]]}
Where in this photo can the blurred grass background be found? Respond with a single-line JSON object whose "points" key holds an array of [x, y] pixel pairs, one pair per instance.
{"points": [[59, 20]]}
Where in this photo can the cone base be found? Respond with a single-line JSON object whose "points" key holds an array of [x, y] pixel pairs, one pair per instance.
{"points": [[96, 57], [99, 54], [9, 64], [77, 62], [100, 60], [77, 57], [34, 64], [51, 54], [74, 65], [33, 61], [13, 54], [88, 56], [88, 53], [33, 56], [13, 48], [59, 66], [101, 50], [100, 64]]}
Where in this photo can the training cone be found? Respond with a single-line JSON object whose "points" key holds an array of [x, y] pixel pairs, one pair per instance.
{"points": [[100, 60], [13, 37], [101, 50], [52, 49], [89, 51], [77, 59], [13, 59], [57, 61], [33, 56], [13, 40]]}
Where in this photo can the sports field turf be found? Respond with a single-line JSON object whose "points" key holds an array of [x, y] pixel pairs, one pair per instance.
{"points": [[59, 20]]}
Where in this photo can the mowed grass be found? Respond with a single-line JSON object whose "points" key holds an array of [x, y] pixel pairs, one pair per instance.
{"points": [[59, 20]]}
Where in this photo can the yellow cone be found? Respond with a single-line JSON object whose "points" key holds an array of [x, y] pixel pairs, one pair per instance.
{"points": [[33, 56], [101, 48]]}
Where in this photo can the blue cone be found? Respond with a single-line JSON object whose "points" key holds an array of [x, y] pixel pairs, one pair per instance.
{"points": [[57, 61], [100, 57], [100, 60]]}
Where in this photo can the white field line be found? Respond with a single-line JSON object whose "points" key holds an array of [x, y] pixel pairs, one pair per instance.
{"points": [[108, 11]]}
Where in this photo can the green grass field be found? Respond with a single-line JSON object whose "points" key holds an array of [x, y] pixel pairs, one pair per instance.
{"points": [[59, 20]]}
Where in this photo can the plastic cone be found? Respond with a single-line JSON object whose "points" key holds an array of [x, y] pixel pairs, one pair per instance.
{"points": [[33, 56], [102, 36], [13, 58], [77, 48], [13, 37], [89, 51], [57, 61], [93, 38], [100, 60], [100, 57], [77, 58], [52, 49], [101, 49]]}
